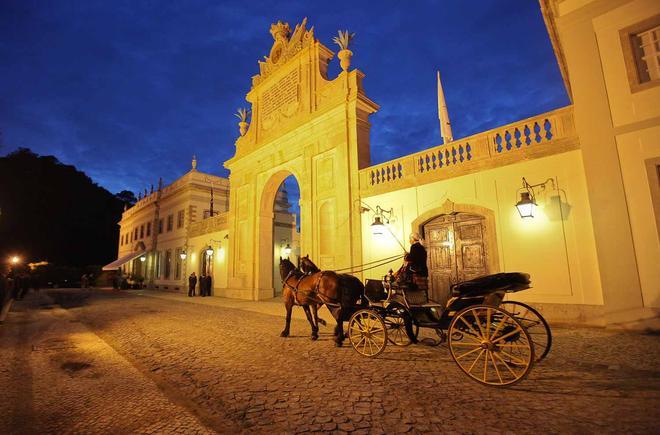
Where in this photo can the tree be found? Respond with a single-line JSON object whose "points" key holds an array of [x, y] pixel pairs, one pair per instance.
{"points": [[53, 212], [127, 197]]}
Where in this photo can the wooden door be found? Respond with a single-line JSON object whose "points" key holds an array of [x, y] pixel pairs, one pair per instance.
{"points": [[456, 252], [470, 251], [441, 260]]}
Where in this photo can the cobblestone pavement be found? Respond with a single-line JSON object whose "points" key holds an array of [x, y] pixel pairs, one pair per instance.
{"points": [[231, 369]]}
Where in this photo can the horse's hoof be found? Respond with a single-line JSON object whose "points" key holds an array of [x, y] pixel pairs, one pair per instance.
{"points": [[284, 334], [338, 344], [315, 337]]}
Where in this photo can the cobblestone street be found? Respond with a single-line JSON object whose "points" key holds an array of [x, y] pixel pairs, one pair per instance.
{"points": [[130, 363]]}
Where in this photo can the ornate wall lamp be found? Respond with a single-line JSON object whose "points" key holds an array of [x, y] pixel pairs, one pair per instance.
{"points": [[183, 255], [527, 201], [382, 217]]}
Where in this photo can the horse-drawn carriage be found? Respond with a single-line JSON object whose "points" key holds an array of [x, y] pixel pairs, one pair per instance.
{"points": [[494, 342]]}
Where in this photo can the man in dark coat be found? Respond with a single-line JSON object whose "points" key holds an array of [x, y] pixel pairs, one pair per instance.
{"points": [[202, 284], [417, 257], [209, 285], [192, 282]]}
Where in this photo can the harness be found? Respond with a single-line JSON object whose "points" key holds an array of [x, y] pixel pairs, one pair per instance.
{"points": [[295, 289]]}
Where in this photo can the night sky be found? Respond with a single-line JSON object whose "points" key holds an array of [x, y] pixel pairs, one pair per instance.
{"points": [[127, 91]]}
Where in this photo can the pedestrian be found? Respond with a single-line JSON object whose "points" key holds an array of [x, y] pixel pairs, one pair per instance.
{"points": [[209, 285], [192, 282], [83, 281], [202, 284]]}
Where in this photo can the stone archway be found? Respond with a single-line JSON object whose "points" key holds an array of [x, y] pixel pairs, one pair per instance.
{"points": [[265, 230], [315, 128]]}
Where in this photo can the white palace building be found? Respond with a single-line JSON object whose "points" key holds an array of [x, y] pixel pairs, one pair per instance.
{"points": [[591, 170]]}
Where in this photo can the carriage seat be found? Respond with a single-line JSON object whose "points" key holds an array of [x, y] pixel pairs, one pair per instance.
{"points": [[484, 285]]}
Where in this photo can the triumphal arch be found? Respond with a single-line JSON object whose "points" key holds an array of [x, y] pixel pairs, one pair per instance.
{"points": [[312, 127]]}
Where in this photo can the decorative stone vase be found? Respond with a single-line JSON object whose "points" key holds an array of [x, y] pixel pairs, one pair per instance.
{"points": [[345, 58], [243, 127]]}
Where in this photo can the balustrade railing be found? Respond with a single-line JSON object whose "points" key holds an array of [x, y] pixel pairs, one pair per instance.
{"points": [[540, 135]]}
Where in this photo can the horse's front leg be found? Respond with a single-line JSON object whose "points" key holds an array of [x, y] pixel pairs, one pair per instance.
{"points": [[288, 304], [315, 328], [339, 329]]}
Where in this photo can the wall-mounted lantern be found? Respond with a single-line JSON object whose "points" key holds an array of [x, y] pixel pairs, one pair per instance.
{"points": [[209, 251], [382, 217], [527, 202], [286, 249], [143, 258], [183, 254]]}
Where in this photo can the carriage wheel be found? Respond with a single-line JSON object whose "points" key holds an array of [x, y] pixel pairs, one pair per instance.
{"points": [[396, 330], [367, 333], [536, 326], [492, 347]]}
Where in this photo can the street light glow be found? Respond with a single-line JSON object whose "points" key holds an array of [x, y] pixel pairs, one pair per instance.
{"points": [[15, 259]]}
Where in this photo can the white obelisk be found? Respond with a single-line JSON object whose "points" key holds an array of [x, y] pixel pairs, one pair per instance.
{"points": [[443, 115]]}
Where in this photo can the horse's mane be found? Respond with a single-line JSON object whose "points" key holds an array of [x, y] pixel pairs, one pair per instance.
{"points": [[313, 268]]}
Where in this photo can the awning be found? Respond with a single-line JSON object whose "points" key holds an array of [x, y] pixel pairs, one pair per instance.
{"points": [[123, 260]]}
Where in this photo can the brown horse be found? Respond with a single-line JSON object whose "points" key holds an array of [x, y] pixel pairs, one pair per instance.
{"points": [[323, 287], [346, 279]]}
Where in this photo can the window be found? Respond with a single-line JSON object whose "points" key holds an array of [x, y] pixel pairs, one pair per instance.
{"points": [[142, 231], [641, 53], [179, 219], [148, 229], [135, 237], [160, 226], [653, 173], [131, 236], [170, 222], [121, 239], [177, 264], [168, 263]]}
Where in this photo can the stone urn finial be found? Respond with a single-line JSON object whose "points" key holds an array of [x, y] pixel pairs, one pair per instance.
{"points": [[242, 115], [194, 163], [343, 40]]}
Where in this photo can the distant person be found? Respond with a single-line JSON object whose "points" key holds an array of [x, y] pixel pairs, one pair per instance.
{"points": [[192, 282], [202, 284], [209, 285], [83, 281]]}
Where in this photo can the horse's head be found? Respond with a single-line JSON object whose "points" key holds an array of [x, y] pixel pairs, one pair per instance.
{"points": [[286, 267], [308, 266]]}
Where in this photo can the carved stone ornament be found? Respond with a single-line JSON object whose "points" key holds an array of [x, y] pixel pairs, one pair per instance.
{"points": [[284, 47]]}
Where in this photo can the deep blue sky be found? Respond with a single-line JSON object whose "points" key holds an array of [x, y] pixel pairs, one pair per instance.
{"points": [[127, 91]]}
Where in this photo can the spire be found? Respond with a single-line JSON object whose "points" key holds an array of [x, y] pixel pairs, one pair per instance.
{"points": [[443, 115], [194, 163]]}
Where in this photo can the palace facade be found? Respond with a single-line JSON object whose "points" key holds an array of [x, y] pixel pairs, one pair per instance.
{"points": [[591, 169]]}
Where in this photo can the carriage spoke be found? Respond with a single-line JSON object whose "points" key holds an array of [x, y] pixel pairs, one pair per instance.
{"points": [[475, 361], [515, 375], [476, 319], [499, 326], [468, 352], [496, 369], [469, 327], [486, 366], [514, 358], [508, 334]]}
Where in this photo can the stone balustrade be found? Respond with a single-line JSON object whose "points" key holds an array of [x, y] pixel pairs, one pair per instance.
{"points": [[539, 136]]}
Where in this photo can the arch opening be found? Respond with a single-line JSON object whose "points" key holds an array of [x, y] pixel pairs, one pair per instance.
{"points": [[280, 217]]}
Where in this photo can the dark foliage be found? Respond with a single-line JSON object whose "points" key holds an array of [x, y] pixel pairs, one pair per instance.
{"points": [[53, 212], [127, 197]]}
